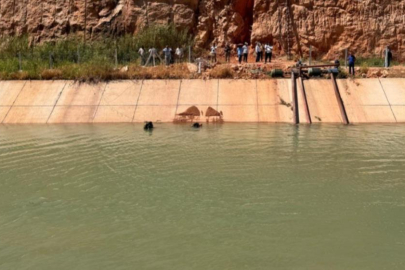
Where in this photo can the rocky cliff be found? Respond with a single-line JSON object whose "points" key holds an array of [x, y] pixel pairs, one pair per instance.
{"points": [[329, 26]]}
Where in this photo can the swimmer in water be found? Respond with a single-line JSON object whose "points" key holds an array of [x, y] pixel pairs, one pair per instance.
{"points": [[148, 126]]}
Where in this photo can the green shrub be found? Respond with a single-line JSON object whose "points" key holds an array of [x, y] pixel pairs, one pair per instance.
{"points": [[94, 60]]}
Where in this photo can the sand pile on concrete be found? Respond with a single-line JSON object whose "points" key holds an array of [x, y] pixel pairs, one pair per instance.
{"points": [[192, 111], [211, 112]]}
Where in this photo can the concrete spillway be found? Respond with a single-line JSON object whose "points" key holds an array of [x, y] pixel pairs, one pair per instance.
{"points": [[364, 101]]}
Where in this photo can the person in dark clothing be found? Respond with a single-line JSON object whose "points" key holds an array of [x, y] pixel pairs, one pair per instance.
{"points": [[389, 57], [245, 52], [240, 53], [352, 61], [227, 53], [148, 126], [269, 52], [258, 50], [337, 63]]}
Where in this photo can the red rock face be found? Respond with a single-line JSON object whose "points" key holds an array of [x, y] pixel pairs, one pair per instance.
{"points": [[329, 26]]}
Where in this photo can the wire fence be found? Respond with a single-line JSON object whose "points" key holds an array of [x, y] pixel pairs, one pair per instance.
{"points": [[114, 57]]}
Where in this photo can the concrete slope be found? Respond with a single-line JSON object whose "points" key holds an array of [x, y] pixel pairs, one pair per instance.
{"points": [[202, 94], [395, 92], [35, 102], [157, 101], [237, 100], [274, 99], [9, 90], [78, 103], [118, 102], [322, 102], [365, 101]]}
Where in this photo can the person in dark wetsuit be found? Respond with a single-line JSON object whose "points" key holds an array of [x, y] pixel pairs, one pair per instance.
{"points": [[148, 126]]}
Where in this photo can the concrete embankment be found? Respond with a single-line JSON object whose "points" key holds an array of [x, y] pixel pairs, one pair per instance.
{"points": [[364, 101]]}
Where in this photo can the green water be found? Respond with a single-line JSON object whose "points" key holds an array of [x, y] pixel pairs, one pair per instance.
{"points": [[234, 196]]}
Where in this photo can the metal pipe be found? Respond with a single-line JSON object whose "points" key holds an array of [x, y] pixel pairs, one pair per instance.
{"points": [[304, 97], [296, 117], [319, 66], [339, 100]]}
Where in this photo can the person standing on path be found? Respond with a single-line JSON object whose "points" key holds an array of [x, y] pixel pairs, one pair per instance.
{"points": [[141, 53], [352, 60], [168, 55], [261, 52], [239, 51], [389, 57], [269, 53], [245, 52], [179, 55], [258, 51], [227, 51], [213, 53]]}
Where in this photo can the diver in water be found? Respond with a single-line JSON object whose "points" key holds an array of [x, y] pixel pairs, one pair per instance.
{"points": [[197, 125], [148, 126]]}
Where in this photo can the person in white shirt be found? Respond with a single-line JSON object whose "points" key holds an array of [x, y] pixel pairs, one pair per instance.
{"points": [[141, 52], [245, 52], [168, 55], [269, 53], [213, 53], [179, 55]]}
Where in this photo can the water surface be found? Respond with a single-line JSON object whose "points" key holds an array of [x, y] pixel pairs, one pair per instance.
{"points": [[232, 196]]}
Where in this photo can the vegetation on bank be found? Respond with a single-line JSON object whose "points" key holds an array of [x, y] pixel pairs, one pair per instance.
{"points": [[118, 58], [91, 61]]}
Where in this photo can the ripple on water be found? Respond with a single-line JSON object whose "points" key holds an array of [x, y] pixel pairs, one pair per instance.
{"points": [[232, 196]]}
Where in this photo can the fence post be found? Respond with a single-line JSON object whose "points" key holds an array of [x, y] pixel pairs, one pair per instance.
{"points": [[345, 58], [19, 62], [116, 58], [386, 57], [189, 54], [78, 54], [51, 60]]}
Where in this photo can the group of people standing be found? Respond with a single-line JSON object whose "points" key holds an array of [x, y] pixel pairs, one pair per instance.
{"points": [[266, 49], [167, 54], [242, 51]]}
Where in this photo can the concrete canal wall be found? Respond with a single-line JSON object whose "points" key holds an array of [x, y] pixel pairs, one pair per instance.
{"points": [[364, 101]]}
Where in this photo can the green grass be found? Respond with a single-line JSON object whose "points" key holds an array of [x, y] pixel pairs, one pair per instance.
{"points": [[370, 62], [80, 61]]}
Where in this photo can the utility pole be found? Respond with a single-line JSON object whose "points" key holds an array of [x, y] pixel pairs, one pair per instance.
{"points": [[288, 30], [346, 58], [85, 20], [19, 61], [116, 57], [78, 54]]}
